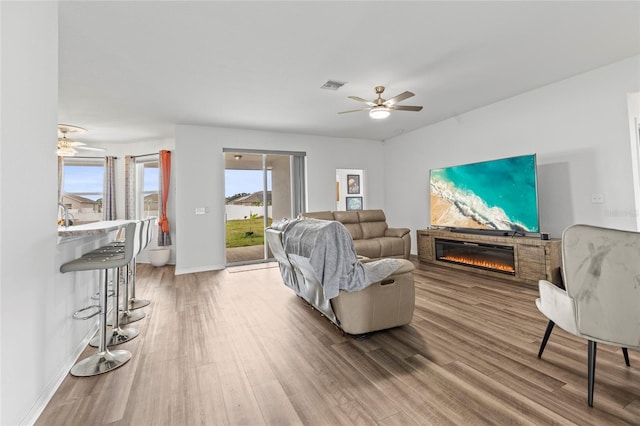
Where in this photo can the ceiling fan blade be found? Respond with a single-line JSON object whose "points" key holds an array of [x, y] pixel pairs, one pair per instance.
{"points": [[359, 99], [88, 148], [398, 98], [354, 110], [405, 108]]}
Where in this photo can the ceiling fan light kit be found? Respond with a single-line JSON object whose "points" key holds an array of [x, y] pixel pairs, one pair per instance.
{"points": [[66, 151], [379, 112], [380, 108]]}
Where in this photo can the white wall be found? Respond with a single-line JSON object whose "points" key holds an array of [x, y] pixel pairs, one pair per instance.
{"points": [[200, 240], [28, 113], [634, 139], [578, 127]]}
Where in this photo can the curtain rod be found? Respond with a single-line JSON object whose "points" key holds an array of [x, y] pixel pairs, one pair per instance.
{"points": [[144, 155], [89, 158]]}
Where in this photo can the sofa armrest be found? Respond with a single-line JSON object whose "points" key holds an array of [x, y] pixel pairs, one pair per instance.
{"points": [[396, 232]]}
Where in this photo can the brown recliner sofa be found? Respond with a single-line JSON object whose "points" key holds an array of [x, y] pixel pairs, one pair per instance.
{"points": [[371, 235], [318, 262]]}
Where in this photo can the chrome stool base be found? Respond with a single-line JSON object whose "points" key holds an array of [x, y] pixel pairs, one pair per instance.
{"points": [[100, 362], [127, 317], [116, 336], [138, 303]]}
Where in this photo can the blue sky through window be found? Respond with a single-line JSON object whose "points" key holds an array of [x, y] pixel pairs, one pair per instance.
{"points": [[86, 179], [239, 181], [83, 180], [151, 179]]}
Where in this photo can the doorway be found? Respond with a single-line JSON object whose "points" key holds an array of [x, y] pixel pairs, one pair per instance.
{"points": [[259, 186]]}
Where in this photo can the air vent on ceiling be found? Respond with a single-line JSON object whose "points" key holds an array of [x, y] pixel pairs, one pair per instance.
{"points": [[332, 85]]}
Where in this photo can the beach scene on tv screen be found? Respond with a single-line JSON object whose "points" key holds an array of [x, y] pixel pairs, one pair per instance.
{"points": [[497, 194]]}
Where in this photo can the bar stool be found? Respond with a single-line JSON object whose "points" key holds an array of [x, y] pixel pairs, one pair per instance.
{"points": [[117, 335], [103, 360], [126, 316], [145, 238]]}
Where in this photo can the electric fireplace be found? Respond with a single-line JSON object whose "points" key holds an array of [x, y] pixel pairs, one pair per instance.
{"points": [[491, 257]]}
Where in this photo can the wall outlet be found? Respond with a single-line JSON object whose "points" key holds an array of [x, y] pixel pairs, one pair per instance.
{"points": [[597, 198], [201, 210]]}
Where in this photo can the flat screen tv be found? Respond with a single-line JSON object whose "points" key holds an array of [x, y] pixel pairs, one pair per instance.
{"points": [[496, 195]]}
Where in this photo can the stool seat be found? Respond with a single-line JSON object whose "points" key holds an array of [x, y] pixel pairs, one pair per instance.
{"points": [[92, 263]]}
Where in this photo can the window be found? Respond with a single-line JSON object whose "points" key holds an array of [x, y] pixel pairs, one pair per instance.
{"points": [[82, 189], [148, 183]]}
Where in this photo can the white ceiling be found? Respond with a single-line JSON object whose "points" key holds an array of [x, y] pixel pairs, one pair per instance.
{"points": [[130, 71]]}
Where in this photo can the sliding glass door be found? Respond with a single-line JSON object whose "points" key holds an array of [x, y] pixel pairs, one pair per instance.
{"points": [[259, 186]]}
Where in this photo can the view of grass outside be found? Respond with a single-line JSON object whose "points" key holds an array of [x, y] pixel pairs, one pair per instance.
{"points": [[246, 232]]}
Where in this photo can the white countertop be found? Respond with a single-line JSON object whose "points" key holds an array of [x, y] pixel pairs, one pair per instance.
{"points": [[94, 228]]}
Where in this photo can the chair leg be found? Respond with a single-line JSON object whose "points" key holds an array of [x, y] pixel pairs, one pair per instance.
{"points": [[547, 333], [135, 303], [127, 316], [625, 352], [591, 375], [117, 335]]}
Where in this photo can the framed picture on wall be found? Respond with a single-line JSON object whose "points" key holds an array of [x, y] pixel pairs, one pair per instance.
{"points": [[353, 184], [354, 203]]}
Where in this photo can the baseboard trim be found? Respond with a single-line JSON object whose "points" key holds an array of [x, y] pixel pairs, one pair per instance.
{"points": [[182, 271], [52, 387]]}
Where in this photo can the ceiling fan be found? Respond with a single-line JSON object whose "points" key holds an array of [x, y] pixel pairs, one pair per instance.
{"points": [[380, 108], [68, 147]]}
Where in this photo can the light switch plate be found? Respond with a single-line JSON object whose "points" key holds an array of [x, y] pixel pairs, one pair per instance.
{"points": [[201, 210]]}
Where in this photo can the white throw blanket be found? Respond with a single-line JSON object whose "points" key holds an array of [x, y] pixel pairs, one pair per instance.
{"points": [[329, 248]]}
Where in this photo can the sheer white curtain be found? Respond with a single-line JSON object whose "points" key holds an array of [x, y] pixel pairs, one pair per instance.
{"points": [[60, 176], [109, 193], [130, 192], [298, 183]]}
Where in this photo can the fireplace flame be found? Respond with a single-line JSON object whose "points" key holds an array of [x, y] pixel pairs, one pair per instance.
{"points": [[479, 262]]}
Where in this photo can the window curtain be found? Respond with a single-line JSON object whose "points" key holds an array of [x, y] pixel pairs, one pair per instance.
{"points": [[164, 239], [60, 177], [109, 192], [130, 187], [298, 184]]}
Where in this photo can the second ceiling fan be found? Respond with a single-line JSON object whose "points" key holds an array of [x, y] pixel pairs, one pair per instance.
{"points": [[381, 108], [68, 147]]}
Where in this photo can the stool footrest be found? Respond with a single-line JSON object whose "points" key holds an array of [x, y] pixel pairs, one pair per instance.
{"points": [[77, 313]]}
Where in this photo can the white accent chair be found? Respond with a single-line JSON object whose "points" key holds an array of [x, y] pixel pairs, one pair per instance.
{"points": [[601, 298]]}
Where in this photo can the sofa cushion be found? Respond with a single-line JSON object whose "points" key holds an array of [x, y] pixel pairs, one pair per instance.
{"points": [[371, 216], [346, 217], [373, 229], [351, 222], [326, 215], [391, 246], [367, 248], [373, 223]]}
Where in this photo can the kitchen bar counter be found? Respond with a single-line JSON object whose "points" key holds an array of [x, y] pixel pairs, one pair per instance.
{"points": [[90, 229]]}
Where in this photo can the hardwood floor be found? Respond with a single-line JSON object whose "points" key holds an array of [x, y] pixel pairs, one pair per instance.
{"points": [[238, 347]]}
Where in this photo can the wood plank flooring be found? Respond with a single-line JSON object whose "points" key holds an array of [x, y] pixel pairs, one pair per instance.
{"points": [[236, 347]]}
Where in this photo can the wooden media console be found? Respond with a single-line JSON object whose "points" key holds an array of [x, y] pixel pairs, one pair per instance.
{"points": [[521, 259]]}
